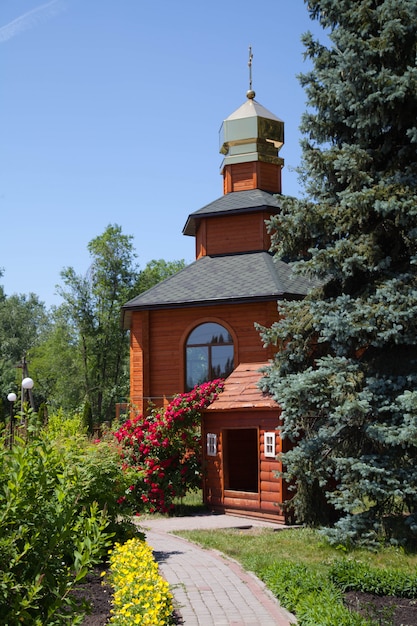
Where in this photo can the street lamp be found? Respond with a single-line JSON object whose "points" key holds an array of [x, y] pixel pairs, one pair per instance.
{"points": [[12, 399], [27, 385]]}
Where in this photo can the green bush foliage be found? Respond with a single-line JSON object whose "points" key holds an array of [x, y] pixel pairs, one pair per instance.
{"points": [[62, 426], [60, 510], [100, 476], [316, 597], [48, 537], [353, 575], [309, 594]]}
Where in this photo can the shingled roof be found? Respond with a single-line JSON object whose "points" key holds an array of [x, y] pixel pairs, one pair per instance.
{"points": [[241, 391], [236, 202], [232, 278]]}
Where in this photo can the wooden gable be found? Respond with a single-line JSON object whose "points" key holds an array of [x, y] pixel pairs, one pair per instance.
{"points": [[242, 392]]}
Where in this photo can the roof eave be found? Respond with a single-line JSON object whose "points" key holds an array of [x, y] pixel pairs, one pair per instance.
{"points": [[199, 303], [272, 406], [191, 227]]}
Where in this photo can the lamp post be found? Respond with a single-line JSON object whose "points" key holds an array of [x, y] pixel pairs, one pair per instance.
{"points": [[12, 399], [27, 386]]}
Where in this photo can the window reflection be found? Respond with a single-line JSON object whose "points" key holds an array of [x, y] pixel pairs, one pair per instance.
{"points": [[209, 354], [209, 333]]}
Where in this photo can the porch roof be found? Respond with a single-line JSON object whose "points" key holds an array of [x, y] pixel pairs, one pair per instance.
{"points": [[241, 390]]}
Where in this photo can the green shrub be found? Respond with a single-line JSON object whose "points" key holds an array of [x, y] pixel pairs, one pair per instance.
{"points": [[101, 479], [327, 609], [99, 474], [290, 581], [309, 594], [353, 575], [61, 426], [317, 597], [48, 539]]}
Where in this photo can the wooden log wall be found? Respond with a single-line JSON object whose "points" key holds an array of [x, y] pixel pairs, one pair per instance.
{"points": [[252, 175], [235, 233], [272, 490], [157, 355]]}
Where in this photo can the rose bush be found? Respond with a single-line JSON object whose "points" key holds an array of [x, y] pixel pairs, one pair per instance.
{"points": [[165, 449]]}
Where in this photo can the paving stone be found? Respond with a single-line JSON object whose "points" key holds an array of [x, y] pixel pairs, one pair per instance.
{"points": [[209, 589]]}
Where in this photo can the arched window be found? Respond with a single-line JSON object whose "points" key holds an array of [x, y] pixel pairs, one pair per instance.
{"points": [[209, 354]]}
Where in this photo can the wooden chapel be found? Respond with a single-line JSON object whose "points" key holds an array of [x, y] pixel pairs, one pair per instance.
{"points": [[200, 323]]}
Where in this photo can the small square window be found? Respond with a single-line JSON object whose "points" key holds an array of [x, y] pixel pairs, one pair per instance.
{"points": [[211, 444], [269, 445]]}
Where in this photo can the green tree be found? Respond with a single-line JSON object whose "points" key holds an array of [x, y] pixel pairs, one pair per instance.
{"points": [[157, 270], [55, 363], [23, 321], [346, 374], [93, 304]]}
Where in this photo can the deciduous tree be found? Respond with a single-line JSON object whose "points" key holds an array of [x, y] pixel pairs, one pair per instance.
{"points": [[23, 321], [55, 363], [157, 270], [93, 304]]}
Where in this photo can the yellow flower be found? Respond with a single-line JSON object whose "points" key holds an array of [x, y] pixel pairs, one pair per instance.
{"points": [[140, 593]]}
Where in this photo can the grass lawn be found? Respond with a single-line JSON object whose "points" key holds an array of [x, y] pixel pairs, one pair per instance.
{"points": [[261, 546], [258, 547]]}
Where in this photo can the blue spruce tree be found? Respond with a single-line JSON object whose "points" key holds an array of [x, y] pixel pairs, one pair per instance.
{"points": [[346, 371]]}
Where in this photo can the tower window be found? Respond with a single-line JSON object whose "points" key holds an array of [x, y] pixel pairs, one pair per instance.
{"points": [[209, 354]]}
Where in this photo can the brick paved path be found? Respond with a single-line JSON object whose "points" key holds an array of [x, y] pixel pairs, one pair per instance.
{"points": [[210, 589]]}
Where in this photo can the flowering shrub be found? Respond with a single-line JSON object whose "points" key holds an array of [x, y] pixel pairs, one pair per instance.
{"points": [[141, 595], [165, 449]]}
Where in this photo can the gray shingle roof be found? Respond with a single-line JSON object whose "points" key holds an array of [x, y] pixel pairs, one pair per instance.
{"points": [[235, 202], [230, 278]]}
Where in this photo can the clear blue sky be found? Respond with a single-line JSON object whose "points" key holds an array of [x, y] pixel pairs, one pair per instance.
{"points": [[110, 112]]}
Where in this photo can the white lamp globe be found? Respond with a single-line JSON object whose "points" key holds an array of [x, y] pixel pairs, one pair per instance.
{"points": [[27, 383], [12, 397]]}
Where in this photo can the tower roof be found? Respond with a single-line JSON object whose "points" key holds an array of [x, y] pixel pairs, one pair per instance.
{"points": [[238, 202], [251, 133], [252, 108]]}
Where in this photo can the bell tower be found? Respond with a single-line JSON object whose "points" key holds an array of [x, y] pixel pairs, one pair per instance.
{"points": [[250, 140]]}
